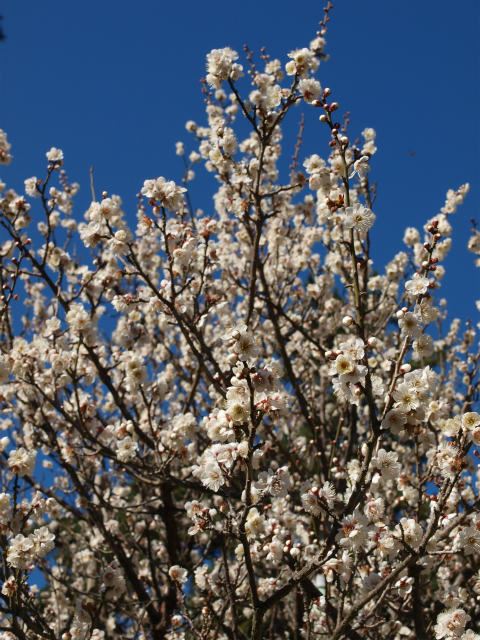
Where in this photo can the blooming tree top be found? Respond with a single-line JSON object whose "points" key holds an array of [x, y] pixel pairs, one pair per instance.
{"points": [[232, 423]]}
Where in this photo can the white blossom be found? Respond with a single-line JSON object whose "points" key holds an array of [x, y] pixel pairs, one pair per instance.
{"points": [[358, 217]]}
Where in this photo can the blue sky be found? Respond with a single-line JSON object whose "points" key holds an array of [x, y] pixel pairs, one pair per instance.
{"points": [[113, 82]]}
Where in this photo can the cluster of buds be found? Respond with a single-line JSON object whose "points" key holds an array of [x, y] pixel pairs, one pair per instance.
{"points": [[329, 107], [433, 229], [290, 549], [430, 263]]}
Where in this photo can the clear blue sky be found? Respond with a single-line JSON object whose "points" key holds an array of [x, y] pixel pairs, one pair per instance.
{"points": [[112, 83]]}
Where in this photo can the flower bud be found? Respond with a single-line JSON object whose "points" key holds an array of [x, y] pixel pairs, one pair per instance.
{"points": [[232, 359]]}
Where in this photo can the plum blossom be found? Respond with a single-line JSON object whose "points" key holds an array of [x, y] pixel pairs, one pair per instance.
{"points": [[417, 285], [55, 156], [21, 461], [358, 217], [178, 574], [387, 464], [5, 146], [221, 65], [166, 192], [451, 624]]}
